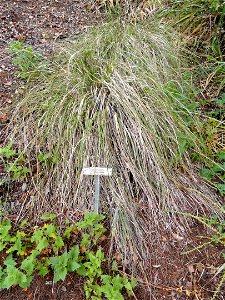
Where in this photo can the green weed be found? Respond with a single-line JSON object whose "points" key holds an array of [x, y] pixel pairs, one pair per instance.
{"points": [[216, 172], [207, 131], [25, 58], [15, 164], [51, 248]]}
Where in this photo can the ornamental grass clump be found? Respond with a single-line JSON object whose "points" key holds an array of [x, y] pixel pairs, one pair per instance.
{"points": [[105, 101]]}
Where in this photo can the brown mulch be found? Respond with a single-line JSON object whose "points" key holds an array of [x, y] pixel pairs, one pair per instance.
{"points": [[44, 289], [42, 23]]}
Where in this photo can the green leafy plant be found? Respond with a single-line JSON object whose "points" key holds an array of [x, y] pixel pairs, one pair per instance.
{"points": [[25, 58], [219, 107], [216, 172], [94, 227], [206, 132], [15, 164], [48, 158], [7, 151], [50, 248]]}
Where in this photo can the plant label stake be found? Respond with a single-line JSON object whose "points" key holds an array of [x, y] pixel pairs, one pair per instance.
{"points": [[97, 172]]}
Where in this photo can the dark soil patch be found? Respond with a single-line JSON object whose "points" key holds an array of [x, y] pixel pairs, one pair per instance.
{"points": [[39, 23], [44, 289], [172, 275]]}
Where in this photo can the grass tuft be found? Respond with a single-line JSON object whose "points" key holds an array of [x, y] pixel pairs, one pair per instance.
{"points": [[106, 101]]}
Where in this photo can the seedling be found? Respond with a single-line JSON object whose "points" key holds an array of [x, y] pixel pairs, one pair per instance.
{"points": [[25, 58]]}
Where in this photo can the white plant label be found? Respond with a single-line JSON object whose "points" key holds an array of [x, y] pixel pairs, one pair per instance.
{"points": [[97, 171]]}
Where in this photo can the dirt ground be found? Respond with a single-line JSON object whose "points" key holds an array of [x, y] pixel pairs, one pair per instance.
{"points": [[40, 23], [175, 276]]}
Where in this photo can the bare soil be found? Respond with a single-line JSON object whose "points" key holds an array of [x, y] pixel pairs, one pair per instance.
{"points": [[173, 276]]}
